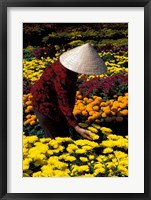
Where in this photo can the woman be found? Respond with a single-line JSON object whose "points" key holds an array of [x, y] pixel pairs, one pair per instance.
{"points": [[54, 93]]}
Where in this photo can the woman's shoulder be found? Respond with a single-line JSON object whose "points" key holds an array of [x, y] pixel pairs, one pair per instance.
{"points": [[58, 67]]}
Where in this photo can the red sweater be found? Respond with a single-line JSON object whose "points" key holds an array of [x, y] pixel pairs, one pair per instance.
{"points": [[54, 93]]}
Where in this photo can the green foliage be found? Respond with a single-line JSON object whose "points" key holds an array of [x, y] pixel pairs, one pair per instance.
{"points": [[108, 57], [28, 54], [102, 33], [119, 42], [113, 33], [75, 43], [78, 35], [33, 130], [45, 39]]}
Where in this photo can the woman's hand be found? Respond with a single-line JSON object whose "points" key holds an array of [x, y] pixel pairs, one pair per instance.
{"points": [[84, 133]]}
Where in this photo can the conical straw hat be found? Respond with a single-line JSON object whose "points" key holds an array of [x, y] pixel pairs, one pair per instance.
{"points": [[84, 60]]}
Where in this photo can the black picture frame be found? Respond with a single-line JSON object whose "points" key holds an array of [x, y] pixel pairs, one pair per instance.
{"points": [[4, 4]]}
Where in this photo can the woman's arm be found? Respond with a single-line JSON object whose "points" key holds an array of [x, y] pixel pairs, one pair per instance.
{"points": [[63, 96]]}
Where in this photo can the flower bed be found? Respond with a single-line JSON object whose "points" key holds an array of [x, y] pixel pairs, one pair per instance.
{"points": [[65, 157]]}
